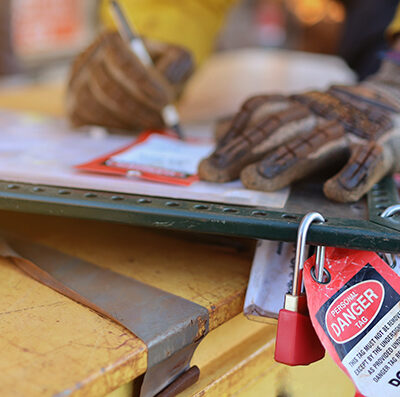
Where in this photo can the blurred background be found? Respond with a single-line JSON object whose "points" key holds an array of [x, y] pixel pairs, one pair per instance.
{"points": [[38, 38]]}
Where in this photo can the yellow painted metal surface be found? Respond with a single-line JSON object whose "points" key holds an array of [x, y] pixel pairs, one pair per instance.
{"points": [[47, 99], [50, 344], [123, 391], [236, 359], [211, 276]]}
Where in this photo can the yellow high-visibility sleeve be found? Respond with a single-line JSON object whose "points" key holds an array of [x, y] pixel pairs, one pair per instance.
{"points": [[193, 24], [394, 27]]}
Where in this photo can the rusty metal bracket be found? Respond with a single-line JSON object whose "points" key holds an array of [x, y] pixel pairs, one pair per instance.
{"points": [[170, 326]]}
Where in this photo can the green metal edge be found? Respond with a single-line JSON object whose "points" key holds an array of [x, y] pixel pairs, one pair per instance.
{"points": [[196, 216], [383, 195]]}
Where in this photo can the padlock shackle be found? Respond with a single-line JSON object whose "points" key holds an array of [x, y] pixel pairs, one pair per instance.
{"points": [[320, 263], [305, 224], [389, 211]]}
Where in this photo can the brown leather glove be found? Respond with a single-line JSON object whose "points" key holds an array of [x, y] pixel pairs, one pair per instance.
{"points": [[109, 86], [275, 140]]}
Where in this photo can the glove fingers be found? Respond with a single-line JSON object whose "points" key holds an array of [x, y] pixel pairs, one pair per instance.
{"points": [[119, 101], [301, 156], [146, 85], [228, 160], [84, 109], [79, 104], [82, 60], [242, 119], [109, 86], [367, 165], [221, 127], [249, 114]]}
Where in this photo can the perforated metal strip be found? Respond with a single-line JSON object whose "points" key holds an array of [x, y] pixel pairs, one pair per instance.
{"points": [[206, 217]]}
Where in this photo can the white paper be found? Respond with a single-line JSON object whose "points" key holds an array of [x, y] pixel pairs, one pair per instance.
{"points": [[270, 279], [164, 152], [39, 150]]}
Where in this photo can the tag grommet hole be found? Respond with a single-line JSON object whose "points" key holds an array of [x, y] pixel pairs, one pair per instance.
{"points": [[327, 276]]}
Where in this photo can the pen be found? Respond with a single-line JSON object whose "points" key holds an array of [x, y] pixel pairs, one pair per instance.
{"points": [[169, 113]]}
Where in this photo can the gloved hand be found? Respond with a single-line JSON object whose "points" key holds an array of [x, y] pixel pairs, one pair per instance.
{"points": [[275, 140], [109, 86]]}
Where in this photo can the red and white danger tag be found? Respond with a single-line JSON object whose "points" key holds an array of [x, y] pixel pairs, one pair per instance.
{"points": [[357, 318]]}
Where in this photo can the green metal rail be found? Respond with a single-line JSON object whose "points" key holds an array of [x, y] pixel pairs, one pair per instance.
{"points": [[352, 226]]}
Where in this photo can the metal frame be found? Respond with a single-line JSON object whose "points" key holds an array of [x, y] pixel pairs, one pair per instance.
{"points": [[375, 233], [382, 196]]}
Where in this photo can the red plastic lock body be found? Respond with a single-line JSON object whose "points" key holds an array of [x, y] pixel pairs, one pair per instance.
{"points": [[296, 340]]}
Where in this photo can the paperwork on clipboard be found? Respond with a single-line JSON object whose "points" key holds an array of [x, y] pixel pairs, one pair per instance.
{"points": [[41, 150]]}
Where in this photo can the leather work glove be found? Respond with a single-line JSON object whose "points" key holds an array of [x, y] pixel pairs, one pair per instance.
{"points": [[275, 140], [109, 86]]}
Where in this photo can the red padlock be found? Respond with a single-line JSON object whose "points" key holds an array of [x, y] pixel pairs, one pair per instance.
{"points": [[296, 340]]}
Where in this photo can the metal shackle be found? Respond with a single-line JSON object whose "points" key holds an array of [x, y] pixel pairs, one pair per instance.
{"points": [[320, 263], [305, 224], [392, 210]]}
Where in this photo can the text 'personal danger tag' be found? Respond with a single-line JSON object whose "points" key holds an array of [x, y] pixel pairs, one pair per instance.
{"points": [[356, 314]]}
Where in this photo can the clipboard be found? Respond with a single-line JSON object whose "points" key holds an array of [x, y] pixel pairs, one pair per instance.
{"points": [[356, 225], [37, 177]]}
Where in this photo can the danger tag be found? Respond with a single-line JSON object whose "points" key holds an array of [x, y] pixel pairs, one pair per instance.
{"points": [[356, 314]]}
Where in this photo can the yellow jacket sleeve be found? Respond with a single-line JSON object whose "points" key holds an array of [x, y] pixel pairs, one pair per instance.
{"points": [[394, 27], [193, 24]]}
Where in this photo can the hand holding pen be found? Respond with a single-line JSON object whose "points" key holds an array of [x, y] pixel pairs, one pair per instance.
{"points": [[114, 84], [169, 112]]}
